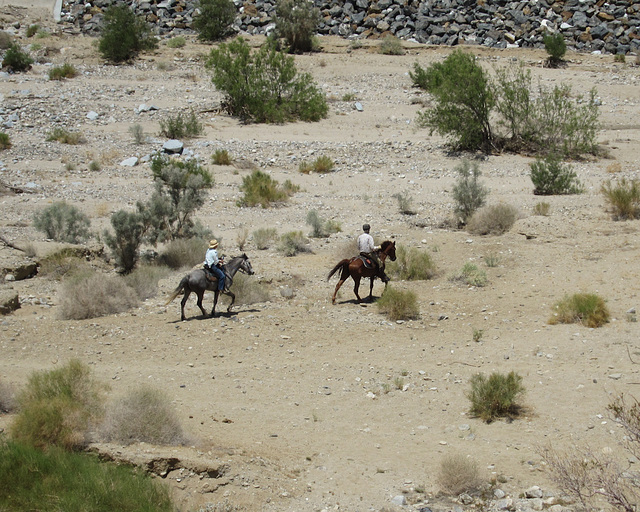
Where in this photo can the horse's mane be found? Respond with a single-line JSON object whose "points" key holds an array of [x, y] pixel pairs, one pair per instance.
{"points": [[385, 244]]}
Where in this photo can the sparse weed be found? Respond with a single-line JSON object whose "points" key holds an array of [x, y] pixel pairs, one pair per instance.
{"points": [[61, 263], [494, 219], [322, 228], [458, 474], [542, 208], [398, 304], [137, 132], [264, 237], [221, 157], [7, 397], [477, 335], [177, 127], [468, 193], [495, 396], [321, 165], [349, 96], [587, 309], [177, 42], [65, 136], [248, 290], [398, 383], [144, 280], [412, 264], [405, 203], [623, 198], [32, 30], [619, 58], [471, 275], [94, 166], [492, 260], [65, 71]]}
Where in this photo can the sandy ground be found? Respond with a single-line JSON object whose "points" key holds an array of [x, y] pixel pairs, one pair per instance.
{"points": [[296, 397]]}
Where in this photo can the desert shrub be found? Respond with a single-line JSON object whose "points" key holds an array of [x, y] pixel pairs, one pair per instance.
{"points": [[7, 397], [183, 252], [177, 42], [215, 19], [296, 23], [516, 106], [57, 407], [494, 219], [129, 229], [144, 280], [65, 71], [261, 189], [144, 414], [463, 100], [551, 177], [32, 30], [542, 208], [248, 290], [16, 59], [556, 47], [137, 132], [62, 222], [124, 35], [65, 136], [179, 126], [264, 86], [5, 141], [398, 304], [6, 40], [458, 474], [495, 396], [391, 45], [468, 193], [623, 198], [33, 479], [264, 237], [63, 262], [180, 189], [471, 275], [92, 295], [221, 157], [405, 203], [292, 243], [321, 228], [587, 309], [321, 165], [412, 264], [94, 166]]}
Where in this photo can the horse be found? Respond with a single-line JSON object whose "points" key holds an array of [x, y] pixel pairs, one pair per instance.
{"points": [[197, 282], [356, 268]]}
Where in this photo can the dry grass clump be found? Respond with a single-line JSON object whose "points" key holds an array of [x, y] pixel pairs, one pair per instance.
{"points": [[292, 243], [144, 414], [495, 396], [321, 165], [587, 309], [264, 237], [183, 252], [398, 304], [144, 280], [495, 219], [65, 136], [58, 406], [221, 157], [248, 290], [391, 45], [542, 208], [623, 198], [94, 295], [458, 473], [412, 264], [64, 262]]}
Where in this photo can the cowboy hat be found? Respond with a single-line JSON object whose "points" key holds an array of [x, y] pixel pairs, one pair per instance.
{"points": [[213, 244]]}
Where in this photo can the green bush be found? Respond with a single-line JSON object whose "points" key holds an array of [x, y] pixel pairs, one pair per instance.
{"points": [[261, 189], [321, 165], [264, 237], [471, 275], [62, 222], [405, 203], [32, 30], [177, 127], [412, 264], [398, 304], [464, 99], [495, 219], [468, 193], [5, 141], [321, 228], [65, 136], [124, 35], [180, 189], [516, 107], [143, 415], [556, 47], [458, 474], [92, 295], [587, 309], [495, 396], [623, 198], [57, 407], [551, 177], [221, 157], [292, 243], [177, 42], [65, 71], [32, 479], [264, 86], [296, 23], [391, 45], [16, 60], [129, 229], [215, 19], [184, 252]]}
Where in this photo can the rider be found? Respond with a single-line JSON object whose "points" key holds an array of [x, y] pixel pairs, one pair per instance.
{"points": [[367, 248], [212, 263]]}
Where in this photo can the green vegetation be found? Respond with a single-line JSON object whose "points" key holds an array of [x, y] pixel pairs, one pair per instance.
{"points": [[137, 132], [62, 222], [551, 177], [124, 35], [57, 407], [412, 264], [16, 60], [470, 275], [494, 219], [221, 157], [398, 304], [264, 237], [129, 229], [322, 228], [32, 30], [179, 126], [587, 309], [321, 165], [292, 243], [391, 45], [264, 86], [177, 42], [261, 189], [65, 71], [623, 198], [405, 203], [495, 396], [296, 23], [215, 19], [556, 47], [64, 136], [468, 193], [458, 474], [5, 141]]}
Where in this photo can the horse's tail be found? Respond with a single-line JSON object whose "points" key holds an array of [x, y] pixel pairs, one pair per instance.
{"points": [[178, 290], [338, 266]]}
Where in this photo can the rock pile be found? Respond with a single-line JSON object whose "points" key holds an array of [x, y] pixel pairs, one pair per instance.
{"points": [[587, 25]]}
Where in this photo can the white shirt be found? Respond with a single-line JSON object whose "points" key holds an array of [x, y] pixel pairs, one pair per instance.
{"points": [[211, 258], [365, 243]]}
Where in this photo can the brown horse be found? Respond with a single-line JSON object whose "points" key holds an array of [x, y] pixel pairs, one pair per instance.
{"points": [[355, 268]]}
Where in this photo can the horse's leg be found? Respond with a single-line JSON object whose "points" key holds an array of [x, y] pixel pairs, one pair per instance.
{"points": [[356, 286], [187, 292], [200, 295], [371, 289], [215, 301], [344, 275], [233, 299]]}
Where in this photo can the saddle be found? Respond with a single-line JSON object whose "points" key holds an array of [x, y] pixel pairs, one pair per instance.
{"points": [[368, 262]]}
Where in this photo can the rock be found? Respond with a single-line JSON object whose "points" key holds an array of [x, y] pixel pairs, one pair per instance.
{"points": [[399, 500], [533, 492], [9, 301], [129, 162], [173, 147], [92, 115]]}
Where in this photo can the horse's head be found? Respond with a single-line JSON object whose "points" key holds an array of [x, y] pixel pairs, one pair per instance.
{"points": [[245, 265], [389, 249]]}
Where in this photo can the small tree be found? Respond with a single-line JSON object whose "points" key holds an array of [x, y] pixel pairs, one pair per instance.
{"points": [[296, 23], [551, 177], [215, 19], [468, 193], [129, 229], [62, 222], [556, 47], [124, 34]]}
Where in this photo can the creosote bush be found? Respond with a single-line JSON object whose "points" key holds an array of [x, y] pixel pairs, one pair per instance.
{"points": [[292, 243], [62, 222], [261, 189], [264, 237], [57, 407], [588, 309], [459, 473], [215, 20], [322, 228], [296, 23], [321, 165], [495, 396], [551, 177], [623, 198], [16, 60], [398, 304], [411, 264], [179, 126], [129, 229], [144, 414], [468, 193], [495, 219], [65, 71], [124, 35]]}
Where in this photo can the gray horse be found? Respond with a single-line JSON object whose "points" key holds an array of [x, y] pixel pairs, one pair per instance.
{"points": [[196, 281]]}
